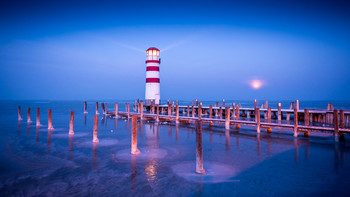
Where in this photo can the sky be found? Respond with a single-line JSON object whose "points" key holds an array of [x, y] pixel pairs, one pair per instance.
{"points": [[210, 50]]}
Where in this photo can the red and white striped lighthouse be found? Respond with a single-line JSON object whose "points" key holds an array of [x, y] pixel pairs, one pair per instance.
{"points": [[152, 93]]}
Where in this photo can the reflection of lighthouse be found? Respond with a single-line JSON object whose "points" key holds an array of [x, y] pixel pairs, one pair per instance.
{"points": [[152, 77]]}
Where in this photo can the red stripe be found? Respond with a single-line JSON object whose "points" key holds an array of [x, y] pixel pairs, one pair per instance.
{"points": [[152, 61], [152, 68], [152, 80]]}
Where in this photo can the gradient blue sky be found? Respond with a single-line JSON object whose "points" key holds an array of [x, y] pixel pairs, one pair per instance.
{"points": [[210, 49]]}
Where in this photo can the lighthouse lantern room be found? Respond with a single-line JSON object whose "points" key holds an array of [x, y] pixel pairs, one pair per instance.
{"points": [[152, 93]]}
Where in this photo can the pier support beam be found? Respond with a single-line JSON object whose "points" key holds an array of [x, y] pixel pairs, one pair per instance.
{"points": [[306, 121], [169, 109], [269, 129], [28, 116], [157, 117], [295, 130], [96, 107], [38, 117], [210, 111], [257, 117], [336, 125], [177, 114], [227, 117], [279, 106], [233, 111], [85, 107], [71, 132], [188, 110], [220, 112], [19, 113], [141, 110], [50, 119], [116, 109], [134, 150], [199, 148], [95, 139]]}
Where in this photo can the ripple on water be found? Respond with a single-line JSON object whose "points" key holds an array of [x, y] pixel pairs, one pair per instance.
{"points": [[216, 172], [146, 154], [103, 142]]}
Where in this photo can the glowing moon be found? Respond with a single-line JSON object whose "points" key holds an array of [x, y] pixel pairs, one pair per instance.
{"points": [[256, 84]]}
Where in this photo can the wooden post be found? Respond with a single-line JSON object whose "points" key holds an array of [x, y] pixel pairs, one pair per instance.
{"points": [[85, 107], [266, 104], [227, 117], [128, 109], [106, 109], [177, 114], [172, 108], [336, 124], [199, 112], [269, 129], [216, 112], [188, 110], [306, 121], [223, 102], [134, 150], [96, 107], [153, 108], [233, 111], [196, 102], [116, 109], [255, 104], [279, 111], [95, 139], [28, 116], [50, 120], [257, 117], [103, 108], [19, 113], [141, 110], [220, 112], [38, 117], [295, 130], [135, 106], [210, 111], [297, 104], [71, 132], [199, 148], [237, 112], [169, 109], [157, 118]]}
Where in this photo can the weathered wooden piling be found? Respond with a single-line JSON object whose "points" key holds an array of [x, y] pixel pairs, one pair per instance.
{"points": [[71, 132], [128, 109], [341, 119], [85, 107], [50, 119], [38, 117], [106, 108], [169, 109], [96, 107], [297, 104], [94, 137], [306, 121], [116, 109], [223, 102], [269, 129], [193, 111], [188, 110], [196, 102], [220, 112], [227, 117], [257, 117], [19, 113], [177, 114], [199, 111], [28, 116], [295, 130], [210, 111], [233, 111], [336, 124], [141, 110], [237, 113], [279, 108], [134, 150], [103, 108], [199, 148]]}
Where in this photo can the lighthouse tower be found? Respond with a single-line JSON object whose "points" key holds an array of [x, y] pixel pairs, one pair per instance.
{"points": [[152, 77]]}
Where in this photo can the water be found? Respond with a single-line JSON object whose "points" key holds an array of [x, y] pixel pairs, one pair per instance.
{"points": [[35, 162]]}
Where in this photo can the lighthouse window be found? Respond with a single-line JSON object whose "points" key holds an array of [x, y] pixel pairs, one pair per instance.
{"points": [[157, 53], [148, 52], [154, 52]]}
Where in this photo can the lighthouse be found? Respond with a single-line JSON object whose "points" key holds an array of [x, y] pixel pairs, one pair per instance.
{"points": [[152, 93]]}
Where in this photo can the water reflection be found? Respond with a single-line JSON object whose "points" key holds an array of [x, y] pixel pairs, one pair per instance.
{"points": [[151, 170], [296, 150], [28, 129], [227, 140], [37, 133], [85, 119], [133, 171], [169, 131], [116, 124], [19, 126], [94, 155], [70, 142], [258, 144], [177, 133], [49, 140]]}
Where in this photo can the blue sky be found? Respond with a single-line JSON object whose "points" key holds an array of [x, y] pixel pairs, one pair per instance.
{"points": [[210, 49]]}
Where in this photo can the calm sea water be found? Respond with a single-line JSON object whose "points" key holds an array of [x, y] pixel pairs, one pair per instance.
{"points": [[36, 162]]}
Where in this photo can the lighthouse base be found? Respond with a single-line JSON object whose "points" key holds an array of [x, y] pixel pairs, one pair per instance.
{"points": [[148, 102]]}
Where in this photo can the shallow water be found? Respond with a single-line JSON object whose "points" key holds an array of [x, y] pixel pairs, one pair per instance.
{"points": [[36, 162]]}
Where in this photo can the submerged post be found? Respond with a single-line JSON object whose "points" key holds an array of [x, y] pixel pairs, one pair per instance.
{"points": [[199, 111], [85, 107], [19, 113], [103, 108], [50, 119], [188, 110], [193, 111], [95, 139], [227, 117], [199, 148], [306, 121], [220, 112], [257, 117], [106, 111], [210, 111], [177, 114], [116, 109], [96, 107], [169, 109], [28, 116], [37, 116], [71, 132], [295, 130], [134, 150]]}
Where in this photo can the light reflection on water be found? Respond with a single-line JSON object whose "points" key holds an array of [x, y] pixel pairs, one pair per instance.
{"points": [[264, 164]]}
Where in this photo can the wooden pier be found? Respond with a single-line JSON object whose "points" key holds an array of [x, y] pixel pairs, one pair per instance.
{"points": [[304, 120]]}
